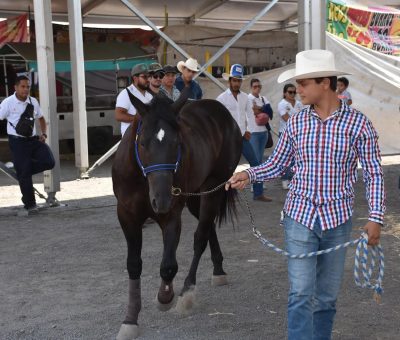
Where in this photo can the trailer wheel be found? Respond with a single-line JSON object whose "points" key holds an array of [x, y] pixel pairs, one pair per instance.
{"points": [[100, 139]]}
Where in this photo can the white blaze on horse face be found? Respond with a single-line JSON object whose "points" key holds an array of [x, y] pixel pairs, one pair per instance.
{"points": [[160, 135]]}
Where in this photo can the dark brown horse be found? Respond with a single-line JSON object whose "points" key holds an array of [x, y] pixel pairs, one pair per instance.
{"points": [[195, 147]]}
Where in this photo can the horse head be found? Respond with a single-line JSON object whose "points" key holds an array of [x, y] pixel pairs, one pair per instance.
{"points": [[157, 147]]}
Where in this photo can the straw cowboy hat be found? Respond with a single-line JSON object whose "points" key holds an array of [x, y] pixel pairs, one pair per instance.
{"points": [[236, 72], [312, 64], [190, 64]]}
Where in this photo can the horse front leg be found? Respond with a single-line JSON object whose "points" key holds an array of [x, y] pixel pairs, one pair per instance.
{"points": [[132, 226], [171, 228]]}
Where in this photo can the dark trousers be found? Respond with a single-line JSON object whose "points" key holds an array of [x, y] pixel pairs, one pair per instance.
{"points": [[30, 157]]}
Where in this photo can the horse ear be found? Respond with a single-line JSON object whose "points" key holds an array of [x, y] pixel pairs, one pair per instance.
{"points": [[185, 95], [141, 107]]}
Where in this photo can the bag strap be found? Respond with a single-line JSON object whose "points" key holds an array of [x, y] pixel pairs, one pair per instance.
{"points": [[262, 98]]}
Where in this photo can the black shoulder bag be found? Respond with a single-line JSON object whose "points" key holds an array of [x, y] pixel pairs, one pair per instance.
{"points": [[26, 122]]}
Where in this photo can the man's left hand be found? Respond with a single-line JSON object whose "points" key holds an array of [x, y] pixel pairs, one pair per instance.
{"points": [[373, 230], [42, 138]]}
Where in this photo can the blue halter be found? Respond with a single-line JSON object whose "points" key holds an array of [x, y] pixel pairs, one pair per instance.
{"points": [[155, 167]]}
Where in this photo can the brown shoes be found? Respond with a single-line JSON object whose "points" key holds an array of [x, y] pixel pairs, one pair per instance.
{"points": [[263, 198]]}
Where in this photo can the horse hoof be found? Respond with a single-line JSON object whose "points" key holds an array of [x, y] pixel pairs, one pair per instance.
{"points": [[219, 280], [163, 307], [128, 332], [186, 302]]}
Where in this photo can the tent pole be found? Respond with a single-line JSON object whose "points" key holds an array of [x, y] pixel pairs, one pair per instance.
{"points": [[168, 39], [47, 87], [244, 29], [5, 75], [78, 86]]}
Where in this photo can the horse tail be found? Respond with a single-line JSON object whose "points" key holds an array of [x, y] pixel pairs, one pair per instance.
{"points": [[227, 208]]}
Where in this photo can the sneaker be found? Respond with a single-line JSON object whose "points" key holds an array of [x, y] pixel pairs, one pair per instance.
{"points": [[33, 210], [263, 198], [285, 184]]}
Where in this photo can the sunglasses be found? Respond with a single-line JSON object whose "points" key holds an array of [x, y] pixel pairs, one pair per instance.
{"points": [[291, 92], [158, 76], [144, 76]]}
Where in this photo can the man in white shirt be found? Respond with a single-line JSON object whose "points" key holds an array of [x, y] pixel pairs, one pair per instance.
{"points": [[124, 109], [239, 106], [31, 154]]}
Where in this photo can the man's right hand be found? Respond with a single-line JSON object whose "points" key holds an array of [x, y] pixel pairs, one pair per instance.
{"points": [[247, 135], [239, 180]]}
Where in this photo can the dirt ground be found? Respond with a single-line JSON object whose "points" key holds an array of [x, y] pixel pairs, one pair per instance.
{"points": [[63, 276]]}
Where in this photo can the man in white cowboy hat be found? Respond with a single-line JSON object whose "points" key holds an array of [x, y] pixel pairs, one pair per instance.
{"points": [[124, 109], [188, 70], [326, 140], [238, 104]]}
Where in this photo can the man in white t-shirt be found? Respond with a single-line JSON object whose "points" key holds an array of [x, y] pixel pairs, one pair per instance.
{"points": [[31, 154], [124, 109]]}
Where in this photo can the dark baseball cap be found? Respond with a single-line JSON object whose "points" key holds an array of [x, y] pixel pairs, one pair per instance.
{"points": [[155, 68], [170, 69], [139, 69]]}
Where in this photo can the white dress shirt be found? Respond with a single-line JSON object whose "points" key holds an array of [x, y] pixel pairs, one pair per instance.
{"points": [[239, 108], [124, 102], [12, 108]]}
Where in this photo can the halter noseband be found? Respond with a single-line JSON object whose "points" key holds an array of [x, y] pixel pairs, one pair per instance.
{"points": [[155, 167]]}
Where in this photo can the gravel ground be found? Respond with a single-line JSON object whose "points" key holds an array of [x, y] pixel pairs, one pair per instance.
{"points": [[63, 271]]}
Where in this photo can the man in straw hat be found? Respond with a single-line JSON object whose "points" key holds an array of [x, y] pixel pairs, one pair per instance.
{"points": [[240, 107], [124, 109], [188, 70], [326, 140]]}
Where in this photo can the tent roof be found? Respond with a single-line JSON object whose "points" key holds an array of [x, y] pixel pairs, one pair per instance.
{"points": [[214, 13], [98, 56]]}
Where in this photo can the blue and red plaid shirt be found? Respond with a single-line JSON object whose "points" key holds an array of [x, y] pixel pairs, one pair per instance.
{"points": [[326, 155]]}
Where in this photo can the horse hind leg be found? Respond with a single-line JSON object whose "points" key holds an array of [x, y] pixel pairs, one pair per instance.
{"points": [[219, 277]]}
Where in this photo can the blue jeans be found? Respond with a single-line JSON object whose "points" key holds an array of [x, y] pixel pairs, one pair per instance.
{"points": [[258, 141], [30, 157], [249, 153], [314, 282]]}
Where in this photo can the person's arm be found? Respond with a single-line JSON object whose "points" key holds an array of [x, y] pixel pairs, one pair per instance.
{"points": [[200, 91], [283, 111], [3, 110], [122, 115], [43, 128], [369, 155], [273, 167]]}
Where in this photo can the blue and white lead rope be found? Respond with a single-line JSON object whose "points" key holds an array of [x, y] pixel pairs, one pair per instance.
{"points": [[361, 256]]}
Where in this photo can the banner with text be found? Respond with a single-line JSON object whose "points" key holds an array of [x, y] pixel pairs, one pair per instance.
{"points": [[377, 28]]}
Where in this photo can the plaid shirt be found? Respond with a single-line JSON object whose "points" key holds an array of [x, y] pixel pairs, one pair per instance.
{"points": [[326, 155]]}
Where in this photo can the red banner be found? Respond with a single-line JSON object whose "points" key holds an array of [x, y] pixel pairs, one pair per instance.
{"points": [[14, 30]]}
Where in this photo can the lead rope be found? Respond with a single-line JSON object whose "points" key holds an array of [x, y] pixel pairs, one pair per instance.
{"points": [[361, 255]]}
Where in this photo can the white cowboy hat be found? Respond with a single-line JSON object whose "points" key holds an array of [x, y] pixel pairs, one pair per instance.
{"points": [[191, 64], [236, 72], [312, 64]]}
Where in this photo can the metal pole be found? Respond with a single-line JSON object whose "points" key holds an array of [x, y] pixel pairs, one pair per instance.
{"points": [[318, 24], [168, 39], [47, 88], [238, 35], [5, 75], [304, 20], [78, 85]]}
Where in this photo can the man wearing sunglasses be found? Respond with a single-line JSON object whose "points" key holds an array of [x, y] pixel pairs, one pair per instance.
{"points": [[124, 110], [156, 73], [188, 70]]}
